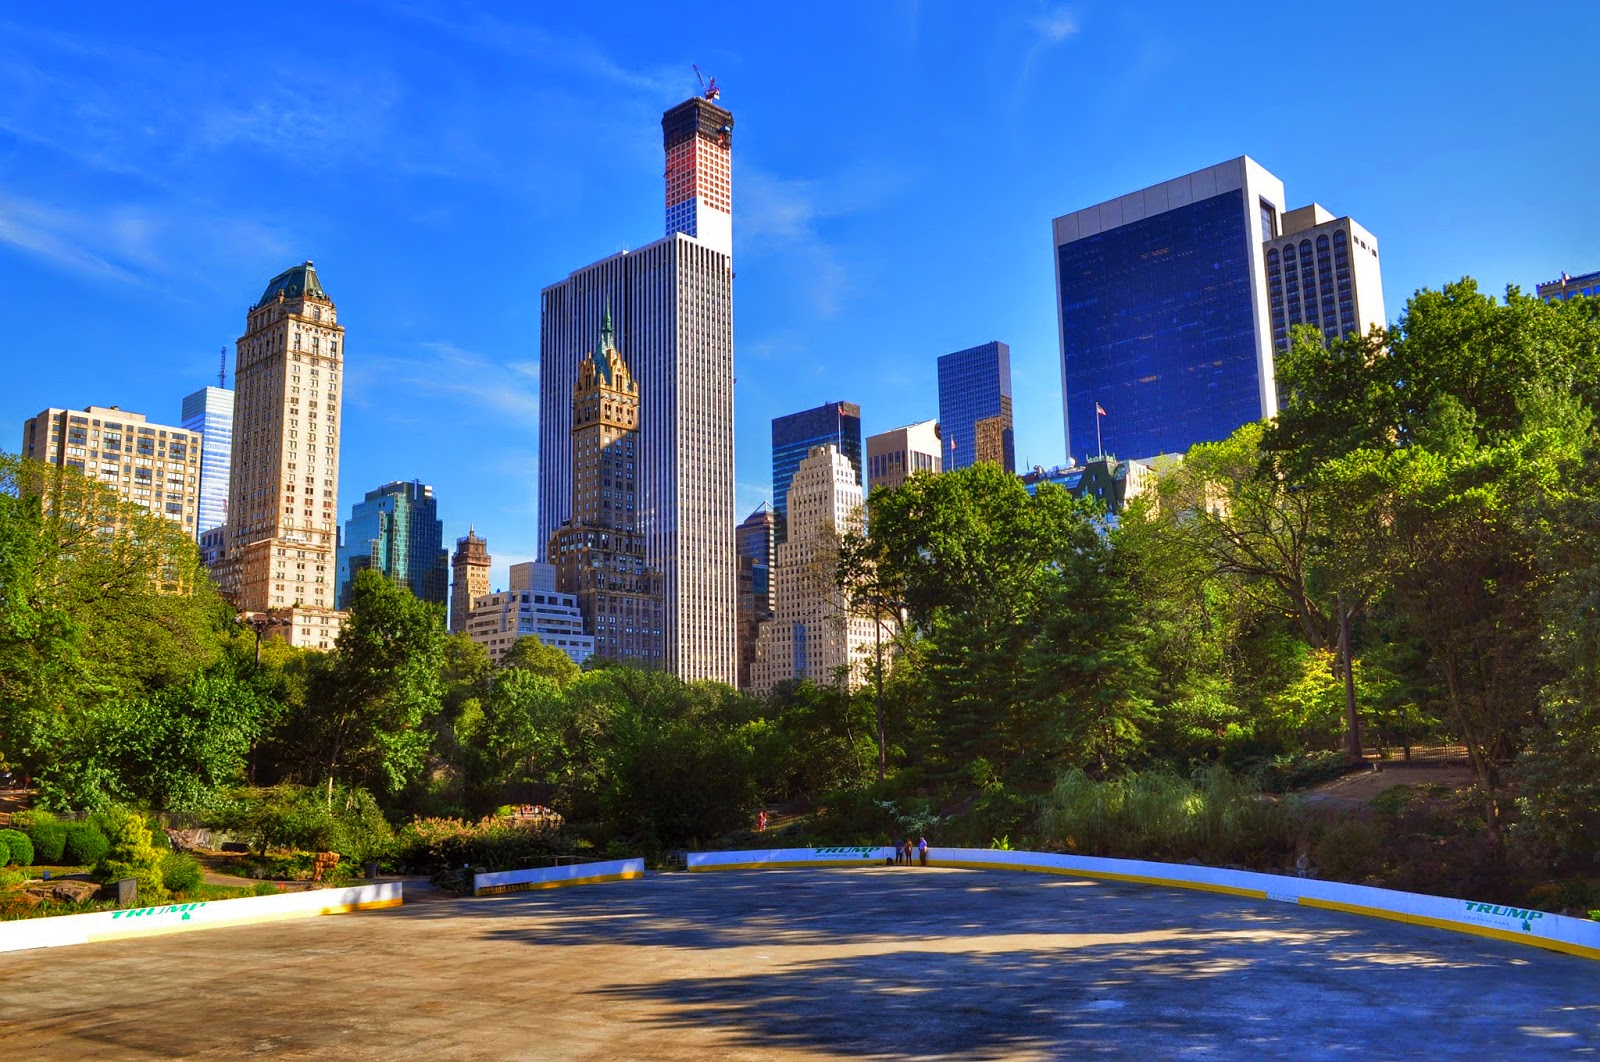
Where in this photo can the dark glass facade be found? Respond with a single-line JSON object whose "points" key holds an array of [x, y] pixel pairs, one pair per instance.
{"points": [[1158, 328], [793, 437], [975, 407], [396, 529]]}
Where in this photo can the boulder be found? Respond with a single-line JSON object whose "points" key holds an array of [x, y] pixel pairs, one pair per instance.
{"points": [[63, 891]]}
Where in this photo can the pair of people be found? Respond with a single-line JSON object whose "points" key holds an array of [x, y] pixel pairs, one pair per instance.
{"points": [[907, 850]]}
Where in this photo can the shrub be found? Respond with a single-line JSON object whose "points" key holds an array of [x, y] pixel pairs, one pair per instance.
{"points": [[290, 816], [85, 845], [1350, 850], [181, 872], [266, 888], [19, 848], [133, 855], [158, 837], [489, 844], [49, 842], [5, 852], [1219, 817]]}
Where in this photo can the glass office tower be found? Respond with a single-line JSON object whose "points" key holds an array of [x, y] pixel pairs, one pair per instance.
{"points": [[209, 411], [975, 407], [794, 435], [396, 529], [1164, 312]]}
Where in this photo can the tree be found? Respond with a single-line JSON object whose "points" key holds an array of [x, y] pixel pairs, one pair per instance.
{"points": [[366, 719], [530, 654]]}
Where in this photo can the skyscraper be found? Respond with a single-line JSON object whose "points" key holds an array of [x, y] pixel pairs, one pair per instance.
{"points": [[795, 435], [396, 530], [894, 454], [756, 540], [1322, 271], [975, 407], [599, 555], [283, 485], [209, 411], [1163, 311], [471, 570], [152, 465], [813, 633], [672, 304]]}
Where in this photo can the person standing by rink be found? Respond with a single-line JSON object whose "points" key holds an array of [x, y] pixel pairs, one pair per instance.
{"points": [[761, 821], [922, 851]]}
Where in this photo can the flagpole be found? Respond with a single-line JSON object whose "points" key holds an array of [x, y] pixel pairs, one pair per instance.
{"points": [[1098, 445]]}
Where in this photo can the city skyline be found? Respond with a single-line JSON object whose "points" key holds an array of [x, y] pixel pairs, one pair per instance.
{"points": [[136, 227]]}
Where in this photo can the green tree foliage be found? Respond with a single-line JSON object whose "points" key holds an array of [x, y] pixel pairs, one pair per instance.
{"points": [[1013, 672], [531, 655], [366, 715], [101, 603]]}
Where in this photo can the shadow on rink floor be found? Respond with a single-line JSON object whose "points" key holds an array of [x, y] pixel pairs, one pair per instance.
{"points": [[885, 963]]}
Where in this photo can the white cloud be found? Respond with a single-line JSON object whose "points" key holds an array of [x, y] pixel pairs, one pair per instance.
{"points": [[1054, 26]]}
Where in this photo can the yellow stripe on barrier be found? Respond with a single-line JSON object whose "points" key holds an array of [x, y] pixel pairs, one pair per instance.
{"points": [[529, 886], [1455, 927], [138, 928]]}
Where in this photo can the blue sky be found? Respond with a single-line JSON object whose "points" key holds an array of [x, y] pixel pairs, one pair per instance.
{"points": [[896, 167]]}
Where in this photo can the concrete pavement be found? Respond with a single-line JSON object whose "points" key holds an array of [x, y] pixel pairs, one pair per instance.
{"points": [[879, 963]]}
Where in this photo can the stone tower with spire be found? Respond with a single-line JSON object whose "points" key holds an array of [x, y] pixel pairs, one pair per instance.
{"points": [[283, 482], [470, 568], [599, 553]]}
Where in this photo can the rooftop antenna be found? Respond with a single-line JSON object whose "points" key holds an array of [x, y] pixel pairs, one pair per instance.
{"points": [[708, 86], [222, 370]]}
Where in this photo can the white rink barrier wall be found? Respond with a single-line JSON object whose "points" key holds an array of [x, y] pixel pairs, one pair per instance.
{"points": [[555, 877], [1575, 936], [62, 930]]}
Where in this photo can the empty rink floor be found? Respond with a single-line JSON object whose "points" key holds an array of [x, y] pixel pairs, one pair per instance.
{"points": [[864, 963]]}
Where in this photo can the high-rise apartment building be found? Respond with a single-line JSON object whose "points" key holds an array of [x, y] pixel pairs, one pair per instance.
{"points": [[794, 437], [1322, 271], [153, 465], [283, 521], [672, 302], [1163, 312], [813, 633], [396, 530], [470, 566], [1569, 287], [756, 541], [698, 138], [975, 407], [209, 411], [894, 454], [599, 555], [531, 608]]}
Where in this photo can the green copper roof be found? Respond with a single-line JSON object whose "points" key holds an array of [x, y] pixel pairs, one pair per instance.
{"points": [[607, 334], [293, 283]]}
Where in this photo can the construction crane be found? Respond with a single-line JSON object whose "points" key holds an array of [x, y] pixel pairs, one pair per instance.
{"points": [[708, 86]]}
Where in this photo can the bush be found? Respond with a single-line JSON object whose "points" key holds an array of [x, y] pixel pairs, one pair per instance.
{"points": [[158, 837], [291, 816], [49, 842], [266, 888], [181, 872], [1218, 817], [19, 848], [489, 844], [134, 855], [1350, 850], [5, 852], [85, 845]]}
